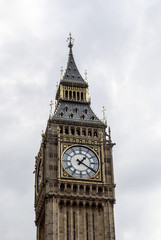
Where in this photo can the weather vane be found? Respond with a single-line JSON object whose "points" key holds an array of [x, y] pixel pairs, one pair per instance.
{"points": [[70, 40]]}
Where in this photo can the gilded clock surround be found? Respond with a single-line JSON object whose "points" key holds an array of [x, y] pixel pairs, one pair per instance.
{"points": [[66, 175], [66, 207]]}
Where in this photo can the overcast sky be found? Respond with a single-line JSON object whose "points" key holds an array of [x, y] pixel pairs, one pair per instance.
{"points": [[119, 43]]}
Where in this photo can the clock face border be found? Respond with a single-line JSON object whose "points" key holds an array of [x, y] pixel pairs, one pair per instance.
{"points": [[67, 175]]}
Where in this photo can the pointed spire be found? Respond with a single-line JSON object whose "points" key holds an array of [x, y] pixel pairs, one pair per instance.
{"points": [[72, 75]]}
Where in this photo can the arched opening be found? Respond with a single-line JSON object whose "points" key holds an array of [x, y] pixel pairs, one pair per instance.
{"points": [[70, 94], [74, 95], [81, 189], [87, 205], [72, 130], [66, 94], [74, 204], [93, 205], [78, 96], [83, 116], [94, 189], [87, 190], [78, 131], [85, 111], [82, 96], [74, 188], [62, 187], [95, 133], [66, 130], [99, 191], [61, 129], [89, 132], [84, 132], [80, 204], [76, 110]]}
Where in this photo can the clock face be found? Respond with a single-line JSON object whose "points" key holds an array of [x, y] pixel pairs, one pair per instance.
{"points": [[80, 162]]}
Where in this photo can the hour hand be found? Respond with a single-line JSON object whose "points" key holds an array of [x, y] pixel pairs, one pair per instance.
{"points": [[80, 161]]}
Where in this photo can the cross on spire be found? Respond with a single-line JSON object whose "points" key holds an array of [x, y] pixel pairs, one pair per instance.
{"points": [[70, 40]]}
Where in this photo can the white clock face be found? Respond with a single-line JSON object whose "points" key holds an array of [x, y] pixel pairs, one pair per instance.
{"points": [[80, 162]]}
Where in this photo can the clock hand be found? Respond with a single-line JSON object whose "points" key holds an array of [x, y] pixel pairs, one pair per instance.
{"points": [[86, 165], [80, 161]]}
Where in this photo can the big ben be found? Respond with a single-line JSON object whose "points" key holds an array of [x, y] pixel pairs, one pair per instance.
{"points": [[74, 179]]}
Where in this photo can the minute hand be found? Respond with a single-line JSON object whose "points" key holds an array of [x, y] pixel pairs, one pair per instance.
{"points": [[86, 165]]}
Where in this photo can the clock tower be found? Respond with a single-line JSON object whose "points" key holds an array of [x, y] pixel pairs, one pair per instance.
{"points": [[74, 180]]}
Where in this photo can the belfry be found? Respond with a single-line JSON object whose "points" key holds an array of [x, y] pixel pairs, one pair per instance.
{"points": [[74, 178]]}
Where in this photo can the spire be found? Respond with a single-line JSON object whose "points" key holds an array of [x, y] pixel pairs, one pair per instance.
{"points": [[72, 75]]}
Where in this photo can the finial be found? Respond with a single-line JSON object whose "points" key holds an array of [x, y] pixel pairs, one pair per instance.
{"points": [[104, 115], [42, 133], [85, 73], [70, 40], [61, 70], [51, 107]]}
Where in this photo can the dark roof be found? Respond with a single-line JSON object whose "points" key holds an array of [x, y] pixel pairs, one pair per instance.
{"points": [[72, 75], [76, 113]]}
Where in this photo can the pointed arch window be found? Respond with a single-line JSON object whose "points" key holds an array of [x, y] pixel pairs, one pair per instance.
{"points": [[85, 111], [61, 129], [76, 110], [89, 132], [74, 95], [72, 130], [78, 131], [84, 132], [82, 96], [71, 115], [74, 188], [70, 94], [62, 187], [66, 94], [66, 130], [87, 190], [95, 133], [78, 96]]}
